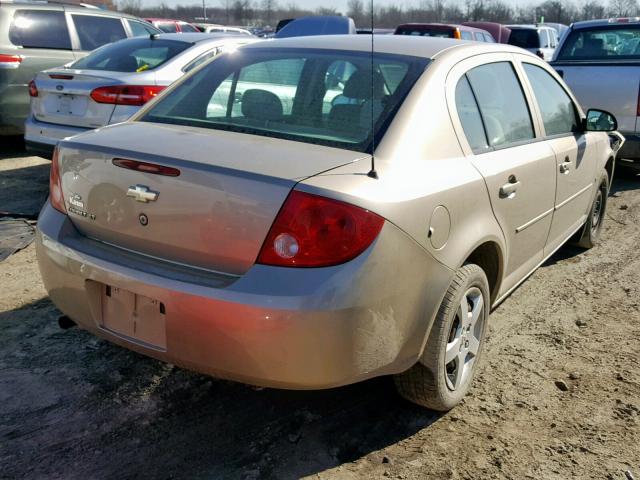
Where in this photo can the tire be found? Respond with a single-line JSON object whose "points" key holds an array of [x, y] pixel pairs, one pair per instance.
{"points": [[432, 382], [593, 226]]}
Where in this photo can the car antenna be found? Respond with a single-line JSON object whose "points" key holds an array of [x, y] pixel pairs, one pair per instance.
{"points": [[372, 173]]}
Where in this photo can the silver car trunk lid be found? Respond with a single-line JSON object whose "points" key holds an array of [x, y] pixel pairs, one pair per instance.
{"points": [[214, 215], [64, 96]]}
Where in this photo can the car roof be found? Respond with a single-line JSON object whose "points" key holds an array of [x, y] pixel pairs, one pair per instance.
{"points": [[426, 47], [62, 5], [439, 25], [605, 22]]}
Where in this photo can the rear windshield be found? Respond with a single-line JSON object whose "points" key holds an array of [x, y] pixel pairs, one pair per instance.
{"points": [[40, 29], [315, 96], [604, 43], [425, 32], [524, 38], [133, 55]]}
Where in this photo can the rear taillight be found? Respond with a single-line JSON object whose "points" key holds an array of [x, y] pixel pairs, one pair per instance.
{"points": [[55, 185], [456, 34], [126, 94], [314, 231], [10, 61], [33, 90]]}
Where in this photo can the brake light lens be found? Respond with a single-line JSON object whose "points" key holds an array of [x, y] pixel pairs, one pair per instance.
{"points": [[456, 34], [33, 90], [126, 94], [10, 61], [56, 196], [314, 231]]}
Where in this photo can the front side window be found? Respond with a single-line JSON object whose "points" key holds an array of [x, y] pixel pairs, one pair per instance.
{"points": [[326, 97], [469, 115], [94, 31], [133, 55], [502, 103], [620, 42], [40, 29], [556, 107]]}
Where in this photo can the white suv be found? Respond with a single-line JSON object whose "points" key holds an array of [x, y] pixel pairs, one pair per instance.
{"points": [[537, 39]]}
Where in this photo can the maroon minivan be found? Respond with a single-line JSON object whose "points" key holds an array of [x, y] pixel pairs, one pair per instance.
{"points": [[461, 32]]}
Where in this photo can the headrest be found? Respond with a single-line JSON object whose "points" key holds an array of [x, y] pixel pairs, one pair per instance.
{"points": [[261, 105], [359, 85]]}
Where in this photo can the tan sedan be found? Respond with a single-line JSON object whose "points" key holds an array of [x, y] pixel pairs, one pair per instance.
{"points": [[305, 213]]}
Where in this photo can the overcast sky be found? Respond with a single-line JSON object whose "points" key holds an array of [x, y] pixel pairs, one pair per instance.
{"points": [[341, 5]]}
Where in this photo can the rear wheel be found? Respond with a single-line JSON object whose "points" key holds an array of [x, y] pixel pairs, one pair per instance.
{"points": [[445, 372], [593, 226]]}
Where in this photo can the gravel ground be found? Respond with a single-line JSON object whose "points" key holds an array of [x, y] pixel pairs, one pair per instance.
{"points": [[558, 396]]}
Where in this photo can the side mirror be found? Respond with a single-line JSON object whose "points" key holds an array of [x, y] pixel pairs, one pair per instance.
{"points": [[600, 121]]}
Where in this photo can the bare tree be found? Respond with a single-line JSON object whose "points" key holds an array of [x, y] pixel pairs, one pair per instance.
{"points": [[355, 10], [133, 7], [623, 8], [268, 10]]}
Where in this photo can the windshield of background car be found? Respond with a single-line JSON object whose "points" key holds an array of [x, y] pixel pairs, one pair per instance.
{"points": [[524, 38], [133, 55], [325, 97], [604, 43]]}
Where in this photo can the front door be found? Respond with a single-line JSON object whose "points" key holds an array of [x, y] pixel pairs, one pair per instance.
{"points": [[575, 154]]}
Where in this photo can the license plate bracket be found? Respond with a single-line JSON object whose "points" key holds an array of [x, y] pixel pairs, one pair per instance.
{"points": [[136, 317]]}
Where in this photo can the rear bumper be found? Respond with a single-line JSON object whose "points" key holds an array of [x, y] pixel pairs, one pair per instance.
{"points": [[42, 136], [277, 327], [629, 154]]}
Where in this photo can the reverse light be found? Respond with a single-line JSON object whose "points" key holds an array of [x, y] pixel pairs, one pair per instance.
{"points": [[33, 90], [314, 231], [10, 61], [126, 94], [56, 196]]}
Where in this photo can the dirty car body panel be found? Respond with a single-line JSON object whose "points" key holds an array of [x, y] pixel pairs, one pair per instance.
{"points": [[197, 260]]}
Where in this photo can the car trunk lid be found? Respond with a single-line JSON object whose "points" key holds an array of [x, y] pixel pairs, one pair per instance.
{"points": [[214, 215], [64, 97]]}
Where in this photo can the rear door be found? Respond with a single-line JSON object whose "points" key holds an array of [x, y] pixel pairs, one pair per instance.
{"points": [[501, 140], [576, 153]]}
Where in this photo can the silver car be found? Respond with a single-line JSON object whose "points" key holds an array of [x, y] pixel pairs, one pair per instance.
{"points": [[112, 83], [252, 224]]}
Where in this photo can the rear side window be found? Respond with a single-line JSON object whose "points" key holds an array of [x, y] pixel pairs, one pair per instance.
{"points": [[425, 32], [556, 107], [489, 38], [602, 43], [466, 35], [524, 38], [134, 55], [40, 29], [185, 27], [470, 116], [94, 31], [167, 27], [139, 29], [502, 104]]}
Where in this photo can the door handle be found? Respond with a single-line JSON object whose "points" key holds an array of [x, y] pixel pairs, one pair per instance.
{"points": [[565, 166], [508, 190]]}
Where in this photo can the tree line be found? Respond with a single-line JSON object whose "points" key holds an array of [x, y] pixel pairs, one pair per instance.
{"points": [[269, 12]]}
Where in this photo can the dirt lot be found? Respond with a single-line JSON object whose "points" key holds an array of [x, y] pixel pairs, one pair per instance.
{"points": [[558, 396]]}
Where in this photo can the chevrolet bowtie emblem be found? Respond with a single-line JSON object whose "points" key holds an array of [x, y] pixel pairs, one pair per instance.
{"points": [[142, 194]]}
